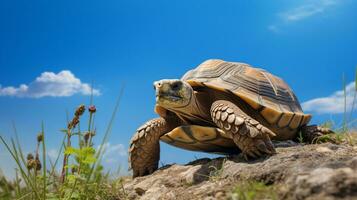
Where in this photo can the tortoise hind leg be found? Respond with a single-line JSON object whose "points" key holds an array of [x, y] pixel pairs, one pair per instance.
{"points": [[312, 133], [250, 136], [144, 151]]}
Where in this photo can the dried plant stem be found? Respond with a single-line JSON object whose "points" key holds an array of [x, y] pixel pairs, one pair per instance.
{"points": [[65, 157], [93, 132], [89, 132], [90, 121], [35, 168]]}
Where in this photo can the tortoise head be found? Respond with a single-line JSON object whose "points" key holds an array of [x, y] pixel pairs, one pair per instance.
{"points": [[173, 93]]}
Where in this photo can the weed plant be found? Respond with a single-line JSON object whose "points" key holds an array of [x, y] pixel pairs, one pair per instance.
{"points": [[81, 174]]}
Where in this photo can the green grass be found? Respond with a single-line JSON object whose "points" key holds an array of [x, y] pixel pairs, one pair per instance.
{"points": [[81, 174], [346, 131], [253, 190], [347, 125], [300, 137], [216, 172]]}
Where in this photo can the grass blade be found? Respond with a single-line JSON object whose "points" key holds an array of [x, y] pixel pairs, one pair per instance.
{"points": [[106, 135], [354, 96], [18, 144], [44, 160], [345, 103], [23, 174], [24, 196], [53, 167]]}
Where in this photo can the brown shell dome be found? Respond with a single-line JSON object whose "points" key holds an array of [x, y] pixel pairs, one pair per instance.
{"points": [[263, 91]]}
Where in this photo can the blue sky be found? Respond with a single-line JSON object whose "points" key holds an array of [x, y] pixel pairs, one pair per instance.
{"points": [[57, 48]]}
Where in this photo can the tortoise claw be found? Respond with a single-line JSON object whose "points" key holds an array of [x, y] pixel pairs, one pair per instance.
{"points": [[264, 149], [257, 153], [258, 148], [245, 157], [268, 145], [251, 154]]}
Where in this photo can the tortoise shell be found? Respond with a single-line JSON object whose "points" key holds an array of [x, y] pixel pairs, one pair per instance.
{"points": [[266, 93]]}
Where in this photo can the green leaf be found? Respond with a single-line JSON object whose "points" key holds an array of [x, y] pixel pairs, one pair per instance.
{"points": [[71, 178], [75, 133], [70, 150], [89, 160], [87, 151], [75, 195], [64, 130], [70, 166]]}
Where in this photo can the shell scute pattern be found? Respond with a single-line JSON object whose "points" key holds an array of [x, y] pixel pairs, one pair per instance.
{"points": [[260, 89]]}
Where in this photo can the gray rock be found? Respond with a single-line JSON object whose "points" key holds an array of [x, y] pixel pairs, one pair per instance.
{"points": [[323, 171]]}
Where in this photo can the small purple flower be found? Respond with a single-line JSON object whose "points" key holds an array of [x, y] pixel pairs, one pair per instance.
{"points": [[92, 109]]}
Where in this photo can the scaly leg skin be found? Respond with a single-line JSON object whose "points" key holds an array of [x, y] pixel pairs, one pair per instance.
{"points": [[312, 133], [144, 151], [249, 135]]}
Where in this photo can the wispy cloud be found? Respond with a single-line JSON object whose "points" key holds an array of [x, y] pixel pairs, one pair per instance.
{"points": [[332, 104], [113, 152], [307, 10], [304, 11], [62, 84], [273, 28]]}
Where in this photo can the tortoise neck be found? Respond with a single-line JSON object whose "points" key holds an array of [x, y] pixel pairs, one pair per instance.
{"points": [[194, 108]]}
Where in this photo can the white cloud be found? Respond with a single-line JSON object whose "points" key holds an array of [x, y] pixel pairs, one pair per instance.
{"points": [[332, 104], [112, 153], [305, 10], [62, 84]]}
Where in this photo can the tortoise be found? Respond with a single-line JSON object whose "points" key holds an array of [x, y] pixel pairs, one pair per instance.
{"points": [[221, 107]]}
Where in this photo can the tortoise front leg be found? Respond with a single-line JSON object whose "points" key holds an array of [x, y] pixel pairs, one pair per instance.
{"points": [[250, 136], [144, 151]]}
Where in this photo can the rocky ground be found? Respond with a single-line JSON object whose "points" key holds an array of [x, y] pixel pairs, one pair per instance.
{"points": [[319, 171]]}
